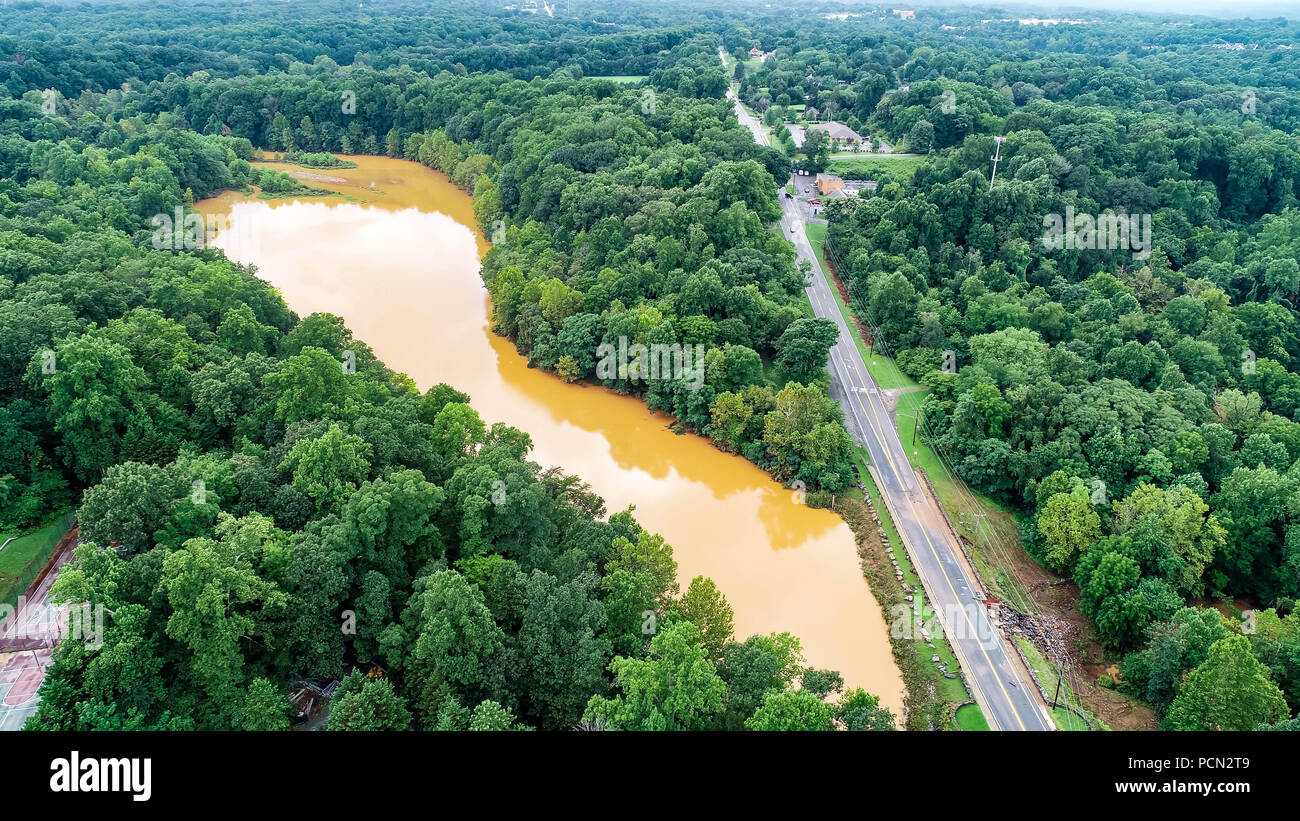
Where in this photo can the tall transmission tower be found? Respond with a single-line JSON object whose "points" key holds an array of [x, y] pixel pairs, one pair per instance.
{"points": [[997, 155]]}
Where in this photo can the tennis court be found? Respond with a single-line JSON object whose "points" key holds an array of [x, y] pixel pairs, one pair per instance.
{"points": [[21, 675]]}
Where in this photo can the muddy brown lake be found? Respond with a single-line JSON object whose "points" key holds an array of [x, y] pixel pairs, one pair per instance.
{"points": [[397, 256]]}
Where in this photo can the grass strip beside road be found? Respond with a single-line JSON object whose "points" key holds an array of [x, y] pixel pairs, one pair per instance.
{"points": [[882, 369], [946, 692], [1048, 674], [974, 525], [23, 558], [954, 496], [971, 717], [931, 696]]}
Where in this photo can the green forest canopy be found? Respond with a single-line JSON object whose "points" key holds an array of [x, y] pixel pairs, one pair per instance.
{"points": [[1170, 380]]}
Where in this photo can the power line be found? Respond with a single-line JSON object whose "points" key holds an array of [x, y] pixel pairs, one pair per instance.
{"points": [[1021, 592], [1025, 600], [977, 510]]}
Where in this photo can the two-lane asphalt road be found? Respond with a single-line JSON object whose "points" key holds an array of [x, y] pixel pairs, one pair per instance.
{"points": [[1008, 702], [749, 120]]}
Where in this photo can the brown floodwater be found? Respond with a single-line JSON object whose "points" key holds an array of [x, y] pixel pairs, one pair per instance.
{"points": [[397, 256]]}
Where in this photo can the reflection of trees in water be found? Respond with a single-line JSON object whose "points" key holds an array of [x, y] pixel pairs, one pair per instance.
{"points": [[792, 524], [639, 440]]}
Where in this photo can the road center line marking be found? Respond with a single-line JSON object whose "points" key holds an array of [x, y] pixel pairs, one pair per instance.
{"points": [[852, 384]]}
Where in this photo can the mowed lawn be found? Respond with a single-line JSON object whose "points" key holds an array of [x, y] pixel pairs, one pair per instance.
{"points": [[21, 550], [970, 717], [15, 557]]}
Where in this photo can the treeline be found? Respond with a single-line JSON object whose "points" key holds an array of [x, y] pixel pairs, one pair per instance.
{"points": [[255, 513], [648, 229], [130, 41], [889, 85], [1077, 367], [1203, 672]]}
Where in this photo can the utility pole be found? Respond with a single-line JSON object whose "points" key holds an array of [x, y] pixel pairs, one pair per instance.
{"points": [[1058, 689], [917, 424], [997, 155]]}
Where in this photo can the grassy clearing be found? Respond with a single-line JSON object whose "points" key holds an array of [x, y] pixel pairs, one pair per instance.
{"points": [[21, 551], [1048, 675], [622, 79], [971, 717], [871, 167], [24, 556]]}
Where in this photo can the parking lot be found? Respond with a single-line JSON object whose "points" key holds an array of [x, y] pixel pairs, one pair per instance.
{"points": [[811, 204]]}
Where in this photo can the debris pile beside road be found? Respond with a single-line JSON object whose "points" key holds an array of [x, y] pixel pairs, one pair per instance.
{"points": [[884, 540], [1047, 632]]}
